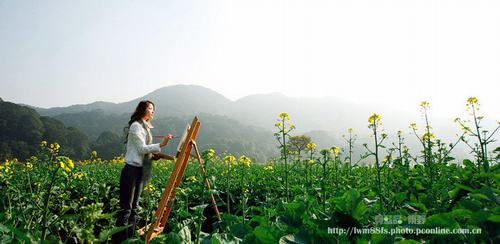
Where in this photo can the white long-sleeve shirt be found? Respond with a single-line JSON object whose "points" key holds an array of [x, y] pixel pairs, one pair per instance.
{"points": [[136, 145]]}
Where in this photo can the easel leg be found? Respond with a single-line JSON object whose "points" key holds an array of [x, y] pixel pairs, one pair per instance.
{"points": [[207, 183]]}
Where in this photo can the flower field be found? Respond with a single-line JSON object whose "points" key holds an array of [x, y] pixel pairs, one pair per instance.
{"points": [[313, 196]]}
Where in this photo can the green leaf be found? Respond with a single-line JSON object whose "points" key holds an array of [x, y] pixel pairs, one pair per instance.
{"points": [[461, 213], [464, 187], [223, 239], [105, 235], [382, 239], [409, 242], [292, 239], [266, 234], [479, 196], [185, 234], [443, 220], [468, 164], [448, 158], [240, 230], [481, 216], [494, 218], [418, 205]]}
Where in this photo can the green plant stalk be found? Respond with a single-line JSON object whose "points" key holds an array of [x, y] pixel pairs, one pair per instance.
{"points": [[428, 151], [285, 154], [187, 202], [29, 181], [350, 152], [309, 168], [242, 192], [198, 229], [402, 160], [46, 204], [323, 181], [483, 154], [338, 168], [377, 163], [227, 189]]}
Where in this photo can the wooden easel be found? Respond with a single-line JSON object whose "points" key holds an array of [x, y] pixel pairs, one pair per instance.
{"points": [[168, 196]]}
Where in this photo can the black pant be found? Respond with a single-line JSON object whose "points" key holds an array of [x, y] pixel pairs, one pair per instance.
{"points": [[130, 191]]}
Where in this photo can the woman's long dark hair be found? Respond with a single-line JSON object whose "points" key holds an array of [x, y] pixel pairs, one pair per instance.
{"points": [[139, 112]]}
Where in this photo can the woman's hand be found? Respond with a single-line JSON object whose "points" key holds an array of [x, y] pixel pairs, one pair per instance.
{"points": [[155, 157], [166, 139]]}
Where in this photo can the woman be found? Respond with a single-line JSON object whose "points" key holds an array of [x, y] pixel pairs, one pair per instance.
{"points": [[137, 170]]}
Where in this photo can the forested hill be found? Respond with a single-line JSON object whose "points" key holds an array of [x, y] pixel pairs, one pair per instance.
{"points": [[217, 132], [307, 113], [171, 101], [22, 129], [247, 124]]}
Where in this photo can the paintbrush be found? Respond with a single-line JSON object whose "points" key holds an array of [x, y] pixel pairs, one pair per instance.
{"points": [[173, 137]]}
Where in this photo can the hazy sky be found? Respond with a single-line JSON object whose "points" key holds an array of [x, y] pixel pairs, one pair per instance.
{"points": [[398, 53]]}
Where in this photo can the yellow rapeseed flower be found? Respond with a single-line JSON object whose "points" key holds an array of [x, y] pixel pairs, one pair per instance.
{"points": [[6, 167], [268, 168], [424, 105], [63, 166], [43, 143], [192, 179], [210, 153], [428, 136], [413, 126], [335, 151], [29, 165], [284, 115], [78, 175], [245, 161], [71, 164], [283, 123], [310, 162], [149, 188], [374, 119], [230, 160], [472, 101], [311, 146]]}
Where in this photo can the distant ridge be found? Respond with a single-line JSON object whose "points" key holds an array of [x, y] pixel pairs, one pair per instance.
{"points": [[177, 100], [326, 119], [261, 110]]}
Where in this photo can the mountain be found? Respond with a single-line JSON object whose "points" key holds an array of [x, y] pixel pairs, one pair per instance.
{"points": [[218, 132], [173, 101], [260, 110], [307, 114], [256, 112], [22, 129], [104, 106]]}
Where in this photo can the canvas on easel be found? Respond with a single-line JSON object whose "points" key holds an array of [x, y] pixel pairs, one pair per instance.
{"points": [[183, 139], [186, 144]]}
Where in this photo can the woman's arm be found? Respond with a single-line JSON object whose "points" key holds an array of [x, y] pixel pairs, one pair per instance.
{"points": [[137, 137]]}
